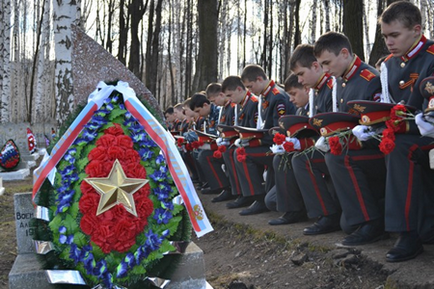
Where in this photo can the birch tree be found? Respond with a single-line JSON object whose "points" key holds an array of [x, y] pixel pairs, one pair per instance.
{"points": [[42, 69], [313, 22], [64, 17], [5, 52]]}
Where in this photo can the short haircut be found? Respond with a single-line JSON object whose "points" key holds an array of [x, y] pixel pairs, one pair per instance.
{"points": [[213, 88], [169, 110], [333, 42], [251, 72], [232, 82], [302, 56], [187, 102], [198, 100], [292, 82], [403, 11], [178, 106]]}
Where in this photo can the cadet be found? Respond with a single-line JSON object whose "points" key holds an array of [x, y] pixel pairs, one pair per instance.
{"points": [[212, 167], [318, 194], [273, 103], [286, 196], [409, 208], [351, 172], [246, 116]]}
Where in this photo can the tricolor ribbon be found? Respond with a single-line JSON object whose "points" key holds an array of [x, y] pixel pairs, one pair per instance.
{"points": [[155, 130]]}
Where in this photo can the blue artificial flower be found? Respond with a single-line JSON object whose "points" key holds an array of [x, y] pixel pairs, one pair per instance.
{"points": [[108, 280], [168, 205], [62, 239], [158, 176], [74, 253], [145, 154], [62, 229], [160, 160], [89, 263], [70, 239], [115, 98], [110, 106], [162, 216], [67, 170], [152, 241], [129, 259], [100, 268], [122, 106], [161, 193], [121, 270]]}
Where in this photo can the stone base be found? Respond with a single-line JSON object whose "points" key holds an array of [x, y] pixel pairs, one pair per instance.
{"points": [[20, 174], [26, 272], [30, 157], [190, 273]]}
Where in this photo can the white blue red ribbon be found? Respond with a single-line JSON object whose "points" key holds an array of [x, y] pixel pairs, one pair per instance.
{"points": [[155, 130]]}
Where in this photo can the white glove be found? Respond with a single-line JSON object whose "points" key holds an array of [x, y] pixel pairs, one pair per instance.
{"points": [[425, 125], [363, 132], [322, 144], [205, 146], [277, 149], [237, 143], [222, 142], [295, 141]]}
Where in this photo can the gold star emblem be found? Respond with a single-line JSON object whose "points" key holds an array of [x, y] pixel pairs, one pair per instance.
{"points": [[116, 189]]}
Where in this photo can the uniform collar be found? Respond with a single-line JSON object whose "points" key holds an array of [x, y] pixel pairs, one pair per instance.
{"points": [[245, 99], [321, 81], [268, 88], [414, 49], [351, 71]]}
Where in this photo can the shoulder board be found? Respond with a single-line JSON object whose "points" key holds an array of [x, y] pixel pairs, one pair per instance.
{"points": [[275, 91], [431, 49], [388, 57], [330, 83], [254, 98], [233, 104], [367, 74]]}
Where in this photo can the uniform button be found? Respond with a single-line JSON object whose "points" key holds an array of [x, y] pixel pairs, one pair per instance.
{"points": [[402, 64], [343, 84], [342, 100], [402, 82]]}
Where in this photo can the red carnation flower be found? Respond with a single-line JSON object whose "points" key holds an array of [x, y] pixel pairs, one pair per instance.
{"points": [[288, 146], [180, 142], [114, 130], [389, 133], [188, 147], [335, 145], [106, 140], [387, 145], [397, 111], [217, 154], [222, 149], [124, 141], [279, 138], [241, 154]]}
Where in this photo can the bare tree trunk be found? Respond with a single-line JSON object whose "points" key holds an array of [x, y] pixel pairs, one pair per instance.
{"points": [[123, 33], [153, 46], [313, 23], [327, 15], [16, 76], [136, 11], [206, 64], [353, 26], [297, 33], [5, 69], [366, 28], [63, 19], [40, 113], [37, 67]]}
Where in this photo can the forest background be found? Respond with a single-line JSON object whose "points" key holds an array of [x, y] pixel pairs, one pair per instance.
{"points": [[176, 47]]}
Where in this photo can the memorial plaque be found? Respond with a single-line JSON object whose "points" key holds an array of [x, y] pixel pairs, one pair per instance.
{"points": [[24, 211]]}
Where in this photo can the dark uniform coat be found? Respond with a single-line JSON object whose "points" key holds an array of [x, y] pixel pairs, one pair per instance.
{"points": [[359, 188], [409, 188], [275, 103]]}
